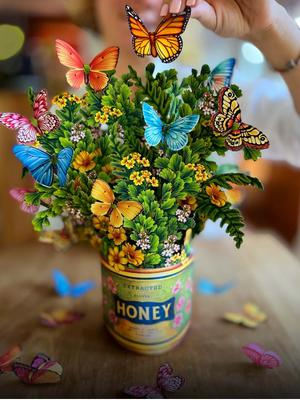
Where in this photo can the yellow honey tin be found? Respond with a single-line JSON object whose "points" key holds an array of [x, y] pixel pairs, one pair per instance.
{"points": [[148, 310]]}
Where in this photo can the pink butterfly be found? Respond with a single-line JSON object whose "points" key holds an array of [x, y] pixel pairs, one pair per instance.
{"points": [[42, 122], [165, 383], [257, 354], [41, 370], [19, 195]]}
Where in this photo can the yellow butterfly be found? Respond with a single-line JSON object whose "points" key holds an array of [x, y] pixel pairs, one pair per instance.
{"points": [[228, 122], [117, 210], [250, 318]]}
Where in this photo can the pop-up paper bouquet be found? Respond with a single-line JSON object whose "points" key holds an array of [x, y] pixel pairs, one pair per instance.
{"points": [[127, 166]]}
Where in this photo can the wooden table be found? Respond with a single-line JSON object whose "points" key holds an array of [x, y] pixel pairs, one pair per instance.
{"points": [[210, 357]]}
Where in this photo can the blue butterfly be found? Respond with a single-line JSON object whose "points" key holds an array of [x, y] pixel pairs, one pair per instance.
{"points": [[175, 134], [63, 286], [221, 75], [41, 164], [207, 287]]}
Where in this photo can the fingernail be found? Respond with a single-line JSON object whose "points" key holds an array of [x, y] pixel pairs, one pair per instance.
{"points": [[175, 6], [164, 10], [190, 2]]}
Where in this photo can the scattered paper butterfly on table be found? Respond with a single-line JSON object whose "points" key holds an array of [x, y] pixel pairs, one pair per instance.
{"points": [[43, 121], [9, 357], [41, 370], [42, 165], [59, 240], [257, 354], [174, 134], [228, 122], [166, 382], [221, 75], [165, 42], [207, 287], [59, 317], [251, 317], [128, 209], [89, 74], [64, 287]]}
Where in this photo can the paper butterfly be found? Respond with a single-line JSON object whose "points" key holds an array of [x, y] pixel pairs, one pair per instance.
{"points": [[206, 287], [257, 354], [83, 73], [9, 357], [42, 121], [19, 195], [165, 383], [64, 287], [221, 75], [175, 134], [228, 122], [250, 318], [41, 370], [42, 165], [60, 317], [165, 42], [128, 209], [59, 240]]}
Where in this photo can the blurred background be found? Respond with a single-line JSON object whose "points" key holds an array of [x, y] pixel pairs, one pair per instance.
{"points": [[28, 30]]}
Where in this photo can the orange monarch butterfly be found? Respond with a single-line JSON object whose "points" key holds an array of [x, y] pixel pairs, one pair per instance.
{"points": [[165, 42], [102, 192], [228, 122]]}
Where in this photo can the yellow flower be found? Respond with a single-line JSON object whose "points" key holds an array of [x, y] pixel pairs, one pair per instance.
{"points": [[98, 151], [146, 174], [216, 133], [145, 162], [117, 234], [77, 99], [55, 99], [98, 116], [104, 119], [72, 98], [135, 257], [189, 200], [199, 176], [190, 166], [62, 102], [117, 112], [106, 109], [35, 144], [116, 259], [217, 196], [112, 114], [134, 175], [130, 164], [154, 182], [101, 223], [206, 123], [200, 167], [138, 181], [135, 156], [84, 161], [205, 176], [84, 103], [65, 94], [95, 241], [107, 168], [124, 161], [176, 257]]}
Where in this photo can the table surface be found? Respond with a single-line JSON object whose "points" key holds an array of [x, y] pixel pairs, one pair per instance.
{"points": [[210, 356]]}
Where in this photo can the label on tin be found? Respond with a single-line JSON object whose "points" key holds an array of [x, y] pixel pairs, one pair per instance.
{"points": [[145, 309]]}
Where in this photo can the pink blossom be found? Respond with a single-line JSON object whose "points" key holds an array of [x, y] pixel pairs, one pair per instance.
{"points": [[111, 285], [103, 281], [179, 305], [188, 306], [112, 316], [188, 282], [104, 299], [176, 287], [177, 321]]}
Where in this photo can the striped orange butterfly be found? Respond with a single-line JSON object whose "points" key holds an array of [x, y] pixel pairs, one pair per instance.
{"points": [[228, 122], [165, 42], [107, 205], [87, 73]]}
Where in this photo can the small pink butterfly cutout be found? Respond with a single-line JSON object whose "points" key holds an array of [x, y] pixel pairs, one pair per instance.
{"points": [[165, 383], [45, 122], [257, 354], [59, 317], [19, 195]]}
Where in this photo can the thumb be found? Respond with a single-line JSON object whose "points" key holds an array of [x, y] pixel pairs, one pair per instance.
{"points": [[205, 14]]}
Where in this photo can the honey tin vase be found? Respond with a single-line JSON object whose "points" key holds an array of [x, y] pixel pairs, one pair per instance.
{"points": [[148, 311]]}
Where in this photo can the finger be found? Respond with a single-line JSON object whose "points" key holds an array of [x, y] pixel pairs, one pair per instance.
{"points": [[205, 14], [172, 7]]}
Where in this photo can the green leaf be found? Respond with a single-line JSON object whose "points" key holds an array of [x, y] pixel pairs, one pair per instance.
{"points": [[237, 179]]}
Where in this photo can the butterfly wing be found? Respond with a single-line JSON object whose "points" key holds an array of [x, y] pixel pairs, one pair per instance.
{"points": [[26, 133], [64, 159], [101, 191], [98, 80], [237, 318], [168, 42], [38, 163], [226, 287], [229, 111], [270, 359], [19, 195], [254, 311], [48, 320], [100, 209], [40, 360], [153, 132], [66, 316], [48, 123], [140, 35], [206, 287], [164, 373], [80, 289], [221, 75], [40, 106], [9, 357], [104, 61], [62, 284], [116, 219], [75, 78], [140, 391], [129, 209], [177, 138], [23, 371], [249, 136], [253, 355], [173, 384]]}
